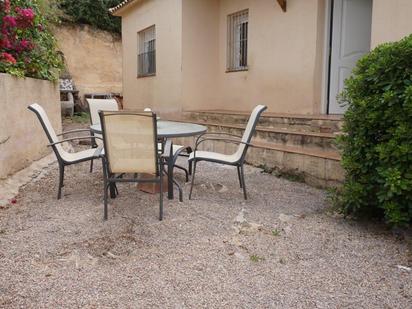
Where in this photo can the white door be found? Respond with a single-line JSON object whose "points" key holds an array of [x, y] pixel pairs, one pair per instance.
{"points": [[351, 36]]}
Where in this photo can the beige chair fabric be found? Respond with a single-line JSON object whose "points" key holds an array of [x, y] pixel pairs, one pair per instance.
{"points": [[96, 105], [66, 156], [130, 142], [246, 138]]}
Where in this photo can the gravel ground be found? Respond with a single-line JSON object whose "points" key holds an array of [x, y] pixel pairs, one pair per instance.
{"points": [[280, 249]]}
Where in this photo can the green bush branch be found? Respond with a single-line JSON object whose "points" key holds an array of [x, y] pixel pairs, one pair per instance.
{"points": [[377, 146]]}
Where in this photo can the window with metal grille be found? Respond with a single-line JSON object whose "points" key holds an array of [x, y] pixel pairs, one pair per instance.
{"points": [[237, 34], [147, 52]]}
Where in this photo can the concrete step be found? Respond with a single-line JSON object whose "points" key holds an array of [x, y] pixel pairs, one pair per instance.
{"points": [[311, 141], [292, 122], [299, 145], [318, 168]]}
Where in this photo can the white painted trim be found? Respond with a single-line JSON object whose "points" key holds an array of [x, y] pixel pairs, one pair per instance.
{"points": [[326, 51]]}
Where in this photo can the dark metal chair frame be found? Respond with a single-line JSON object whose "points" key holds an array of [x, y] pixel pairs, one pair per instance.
{"points": [[110, 178], [229, 138], [60, 160]]}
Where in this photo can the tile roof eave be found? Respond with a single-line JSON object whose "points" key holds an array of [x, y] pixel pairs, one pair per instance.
{"points": [[121, 5]]}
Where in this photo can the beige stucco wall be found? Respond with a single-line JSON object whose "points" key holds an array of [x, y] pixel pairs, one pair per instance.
{"points": [[22, 139], [285, 53], [93, 58], [200, 54], [161, 92], [391, 20], [283, 56]]}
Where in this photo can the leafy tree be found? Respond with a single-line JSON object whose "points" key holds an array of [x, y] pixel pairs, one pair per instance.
{"points": [[92, 12], [377, 140]]}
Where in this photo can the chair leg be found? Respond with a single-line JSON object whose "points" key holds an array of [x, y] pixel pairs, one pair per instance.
{"points": [[193, 180], [170, 164], [240, 178], [243, 181], [161, 194], [94, 145], [180, 190], [105, 193], [190, 167], [184, 170], [112, 187], [61, 179]]}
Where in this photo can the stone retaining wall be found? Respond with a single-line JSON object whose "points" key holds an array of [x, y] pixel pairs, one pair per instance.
{"points": [[93, 58]]}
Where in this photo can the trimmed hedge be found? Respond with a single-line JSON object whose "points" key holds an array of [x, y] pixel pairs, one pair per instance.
{"points": [[377, 141]]}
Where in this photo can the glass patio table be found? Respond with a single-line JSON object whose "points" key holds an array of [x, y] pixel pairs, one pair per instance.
{"points": [[168, 129]]}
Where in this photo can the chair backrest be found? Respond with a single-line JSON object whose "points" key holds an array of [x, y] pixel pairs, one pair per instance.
{"points": [[250, 130], [96, 105], [47, 127], [130, 141]]}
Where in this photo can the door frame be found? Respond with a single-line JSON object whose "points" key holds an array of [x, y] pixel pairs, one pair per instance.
{"points": [[326, 56], [327, 52]]}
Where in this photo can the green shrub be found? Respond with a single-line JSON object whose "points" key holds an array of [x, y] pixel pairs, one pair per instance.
{"points": [[92, 12], [377, 141], [27, 47]]}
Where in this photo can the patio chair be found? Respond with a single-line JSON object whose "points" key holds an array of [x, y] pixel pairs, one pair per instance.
{"points": [[236, 159], [64, 158], [177, 150], [95, 105], [131, 148]]}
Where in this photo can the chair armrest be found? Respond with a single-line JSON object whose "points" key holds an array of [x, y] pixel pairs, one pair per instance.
{"points": [[74, 131], [73, 138], [229, 140], [217, 133]]}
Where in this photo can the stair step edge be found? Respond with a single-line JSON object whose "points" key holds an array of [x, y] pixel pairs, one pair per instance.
{"points": [[270, 115], [313, 153], [260, 128]]}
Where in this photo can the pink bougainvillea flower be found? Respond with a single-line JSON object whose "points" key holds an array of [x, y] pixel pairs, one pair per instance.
{"points": [[23, 45], [5, 43], [9, 21], [8, 58], [7, 6], [25, 17]]}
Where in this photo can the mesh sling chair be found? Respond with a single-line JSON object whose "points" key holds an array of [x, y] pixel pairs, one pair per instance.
{"points": [[64, 158], [236, 159], [131, 148], [178, 150], [95, 105]]}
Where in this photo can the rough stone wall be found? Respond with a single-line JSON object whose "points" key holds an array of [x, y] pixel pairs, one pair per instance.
{"points": [[93, 58], [22, 139]]}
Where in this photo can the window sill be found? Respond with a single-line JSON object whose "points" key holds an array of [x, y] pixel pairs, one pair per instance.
{"points": [[146, 75], [237, 70]]}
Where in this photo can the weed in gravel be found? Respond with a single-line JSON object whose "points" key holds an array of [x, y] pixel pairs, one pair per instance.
{"points": [[291, 175], [256, 258], [275, 232], [80, 117]]}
